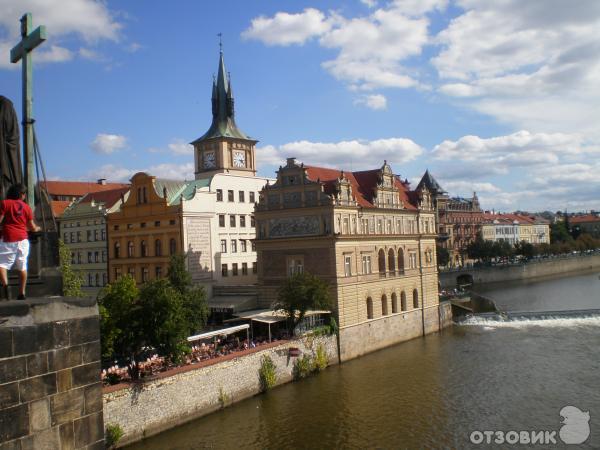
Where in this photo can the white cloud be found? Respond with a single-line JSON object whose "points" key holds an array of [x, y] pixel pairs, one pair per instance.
{"points": [[531, 64], [108, 143], [376, 101], [89, 19], [369, 3], [354, 155], [286, 29], [180, 147]]}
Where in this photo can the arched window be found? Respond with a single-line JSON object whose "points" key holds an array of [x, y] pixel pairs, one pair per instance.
{"points": [[143, 249], [172, 246], [117, 250], [394, 303], [391, 261], [157, 248], [384, 305], [381, 258], [403, 301], [415, 298], [130, 249], [144, 194], [400, 261], [369, 308]]}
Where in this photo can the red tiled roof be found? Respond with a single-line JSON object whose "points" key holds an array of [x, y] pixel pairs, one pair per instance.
{"points": [[584, 218], [109, 198], [59, 206], [78, 188], [508, 218], [363, 184]]}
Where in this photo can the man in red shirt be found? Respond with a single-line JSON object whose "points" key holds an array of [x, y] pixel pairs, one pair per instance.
{"points": [[16, 218]]}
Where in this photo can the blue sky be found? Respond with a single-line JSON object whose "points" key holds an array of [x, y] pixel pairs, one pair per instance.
{"points": [[495, 97]]}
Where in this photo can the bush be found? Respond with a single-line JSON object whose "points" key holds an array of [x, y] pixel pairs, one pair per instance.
{"points": [[321, 359], [113, 434], [303, 367], [267, 373]]}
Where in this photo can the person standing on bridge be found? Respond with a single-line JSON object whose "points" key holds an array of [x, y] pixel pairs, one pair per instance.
{"points": [[16, 218]]}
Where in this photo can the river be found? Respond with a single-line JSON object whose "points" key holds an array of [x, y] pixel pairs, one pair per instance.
{"points": [[433, 392]]}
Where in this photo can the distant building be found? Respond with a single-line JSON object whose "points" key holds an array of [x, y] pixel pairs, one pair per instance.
{"points": [[83, 229], [365, 233], [515, 228], [458, 219], [586, 223]]}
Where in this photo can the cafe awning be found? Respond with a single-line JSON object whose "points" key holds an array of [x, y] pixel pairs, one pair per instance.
{"points": [[215, 333]]}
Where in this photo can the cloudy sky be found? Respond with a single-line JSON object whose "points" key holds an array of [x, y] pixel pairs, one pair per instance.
{"points": [[501, 97]]}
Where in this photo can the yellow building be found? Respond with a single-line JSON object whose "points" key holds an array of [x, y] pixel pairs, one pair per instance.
{"points": [[368, 236]]}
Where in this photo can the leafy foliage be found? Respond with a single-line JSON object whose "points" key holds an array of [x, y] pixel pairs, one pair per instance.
{"points": [[72, 281], [443, 256], [303, 367], [300, 293], [321, 360], [113, 434], [267, 374]]}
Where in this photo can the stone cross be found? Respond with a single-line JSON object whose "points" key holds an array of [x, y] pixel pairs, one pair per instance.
{"points": [[22, 51]]}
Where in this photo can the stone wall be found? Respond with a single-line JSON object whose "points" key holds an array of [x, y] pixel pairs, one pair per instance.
{"points": [[153, 406], [375, 334], [50, 390], [542, 268]]}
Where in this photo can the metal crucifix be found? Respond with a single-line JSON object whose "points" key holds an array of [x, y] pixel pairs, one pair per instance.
{"points": [[22, 51]]}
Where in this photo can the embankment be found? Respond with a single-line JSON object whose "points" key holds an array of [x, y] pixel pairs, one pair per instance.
{"points": [[186, 393]]}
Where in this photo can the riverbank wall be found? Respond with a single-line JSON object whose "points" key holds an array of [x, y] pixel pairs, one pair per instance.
{"points": [[50, 388], [535, 269], [375, 334], [187, 393]]}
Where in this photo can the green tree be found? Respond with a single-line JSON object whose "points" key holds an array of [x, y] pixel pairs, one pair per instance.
{"points": [[525, 249], [163, 319], [71, 280], [194, 297], [443, 256], [559, 232], [119, 316], [299, 293]]}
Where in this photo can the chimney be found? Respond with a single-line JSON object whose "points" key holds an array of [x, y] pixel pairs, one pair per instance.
{"points": [[291, 162], [102, 181]]}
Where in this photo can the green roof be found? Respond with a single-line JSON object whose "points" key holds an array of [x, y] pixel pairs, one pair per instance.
{"points": [[173, 187]]}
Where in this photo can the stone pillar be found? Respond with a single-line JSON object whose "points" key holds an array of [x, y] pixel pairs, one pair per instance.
{"points": [[50, 388]]}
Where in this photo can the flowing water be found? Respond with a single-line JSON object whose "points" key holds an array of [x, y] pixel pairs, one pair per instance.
{"points": [[494, 372]]}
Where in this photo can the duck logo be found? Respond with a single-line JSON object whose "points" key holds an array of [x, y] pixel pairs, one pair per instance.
{"points": [[576, 427]]}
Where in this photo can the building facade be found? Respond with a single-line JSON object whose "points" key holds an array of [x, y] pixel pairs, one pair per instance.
{"points": [[458, 219], [367, 235], [586, 223], [83, 230], [515, 228]]}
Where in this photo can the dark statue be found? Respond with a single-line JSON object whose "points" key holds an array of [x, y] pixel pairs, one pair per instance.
{"points": [[11, 171]]}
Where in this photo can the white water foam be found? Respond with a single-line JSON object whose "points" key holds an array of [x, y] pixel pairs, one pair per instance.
{"points": [[523, 322]]}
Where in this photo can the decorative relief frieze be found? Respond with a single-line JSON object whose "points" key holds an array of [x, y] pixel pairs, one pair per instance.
{"points": [[294, 226]]}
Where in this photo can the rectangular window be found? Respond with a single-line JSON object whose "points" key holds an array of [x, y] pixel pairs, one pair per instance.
{"points": [[89, 257], [79, 236], [104, 279], [241, 196], [95, 235], [103, 255], [232, 220], [345, 226], [348, 265], [117, 273], [130, 226], [251, 197], [65, 237], [254, 268], [89, 235], [158, 272], [242, 221], [223, 246], [221, 220], [233, 246], [131, 272], [252, 221], [72, 236], [223, 270], [253, 246], [103, 234], [295, 265], [230, 195], [244, 268], [157, 223], [234, 269], [366, 264], [243, 245], [116, 227], [144, 274], [172, 222], [96, 257], [219, 195], [143, 225]]}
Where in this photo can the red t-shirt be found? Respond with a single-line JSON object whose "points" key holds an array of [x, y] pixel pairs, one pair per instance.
{"points": [[16, 214]]}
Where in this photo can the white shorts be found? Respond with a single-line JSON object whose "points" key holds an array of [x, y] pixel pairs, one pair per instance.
{"points": [[14, 253]]}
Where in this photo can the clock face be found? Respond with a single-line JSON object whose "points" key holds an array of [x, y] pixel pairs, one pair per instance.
{"points": [[209, 160], [239, 159]]}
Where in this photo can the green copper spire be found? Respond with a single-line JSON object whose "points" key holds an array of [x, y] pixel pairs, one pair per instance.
{"points": [[223, 111]]}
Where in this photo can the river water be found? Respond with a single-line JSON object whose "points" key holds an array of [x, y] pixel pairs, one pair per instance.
{"points": [[433, 392]]}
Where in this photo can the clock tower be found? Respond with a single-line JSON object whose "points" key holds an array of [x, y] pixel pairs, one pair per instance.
{"points": [[224, 148]]}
